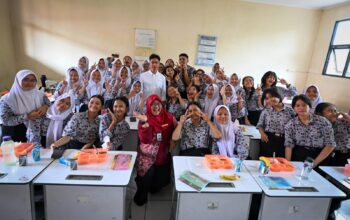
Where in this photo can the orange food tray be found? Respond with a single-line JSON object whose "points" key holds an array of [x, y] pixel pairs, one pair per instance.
{"points": [[280, 164], [90, 156], [23, 148], [214, 161]]}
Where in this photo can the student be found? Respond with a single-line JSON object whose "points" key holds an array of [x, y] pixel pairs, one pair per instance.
{"points": [[313, 93], [153, 163], [175, 104], [145, 66], [135, 71], [186, 71], [272, 122], [83, 66], [152, 81], [208, 79], [341, 128], [113, 128], [197, 80], [194, 94], [194, 131], [220, 78], [102, 67], [123, 83], [211, 100], [232, 142], [173, 79], [82, 129], [46, 130], [22, 104], [73, 83], [127, 61], [308, 135], [215, 68], [161, 68], [95, 84], [252, 101], [269, 80], [116, 66], [233, 101], [235, 81], [136, 98], [170, 62]]}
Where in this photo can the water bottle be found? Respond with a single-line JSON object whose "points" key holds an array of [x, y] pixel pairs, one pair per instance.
{"points": [[307, 168], [8, 151], [36, 153]]}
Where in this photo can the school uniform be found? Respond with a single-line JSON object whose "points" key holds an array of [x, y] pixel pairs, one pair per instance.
{"points": [[252, 106], [119, 134], [195, 139], [17, 104], [308, 140], [273, 123], [81, 130], [341, 152], [175, 108]]}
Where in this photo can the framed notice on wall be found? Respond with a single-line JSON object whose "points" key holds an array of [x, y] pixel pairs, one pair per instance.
{"points": [[206, 50], [145, 38]]}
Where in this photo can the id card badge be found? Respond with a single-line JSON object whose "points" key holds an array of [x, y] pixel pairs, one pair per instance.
{"points": [[159, 136]]}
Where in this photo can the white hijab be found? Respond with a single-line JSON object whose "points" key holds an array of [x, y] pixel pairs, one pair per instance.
{"points": [[318, 99], [210, 104], [227, 142], [128, 80], [70, 83], [86, 67], [21, 101], [134, 101], [233, 98], [104, 72], [54, 131], [95, 88]]}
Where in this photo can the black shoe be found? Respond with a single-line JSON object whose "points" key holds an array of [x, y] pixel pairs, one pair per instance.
{"points": [[140, 199]]}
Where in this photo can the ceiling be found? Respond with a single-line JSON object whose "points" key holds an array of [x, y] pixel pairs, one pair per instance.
{"points": [[308, 4]]}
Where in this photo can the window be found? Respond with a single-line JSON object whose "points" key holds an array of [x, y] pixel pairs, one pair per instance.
{"points": [[338, 56]]}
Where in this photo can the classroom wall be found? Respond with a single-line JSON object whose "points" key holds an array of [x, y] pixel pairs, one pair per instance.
{"points": [[252, 38], [7, 58], [333, 89]]}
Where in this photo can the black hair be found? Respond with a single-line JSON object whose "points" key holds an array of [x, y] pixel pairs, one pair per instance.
{"points": [[199, 70], [265, 76], [127, 56], [198, 89], [303, 98], [183, 55], [100, 97], [194, 103], [120, 98], [251, 92], [154, 56], [321, 107], [273, 92]]}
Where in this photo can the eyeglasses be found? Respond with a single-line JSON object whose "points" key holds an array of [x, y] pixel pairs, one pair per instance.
{"points": [[154, 104]]}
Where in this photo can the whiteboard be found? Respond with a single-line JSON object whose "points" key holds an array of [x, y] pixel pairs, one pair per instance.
{"points": [[145, 38]]}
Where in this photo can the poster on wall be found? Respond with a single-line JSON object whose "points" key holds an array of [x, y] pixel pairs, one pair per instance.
{"points": [[206, 50], [145, 38]]}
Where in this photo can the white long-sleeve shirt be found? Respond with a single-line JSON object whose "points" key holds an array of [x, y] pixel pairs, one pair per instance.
{"points": [[153, 83]]}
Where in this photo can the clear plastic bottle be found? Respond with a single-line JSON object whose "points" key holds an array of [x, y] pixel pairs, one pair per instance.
{"points": [[8, 151]]}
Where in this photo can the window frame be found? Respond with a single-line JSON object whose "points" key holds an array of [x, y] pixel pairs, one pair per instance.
{"points": [[335, 47]]}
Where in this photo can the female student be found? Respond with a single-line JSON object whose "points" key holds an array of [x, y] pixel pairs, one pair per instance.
{"points": [[341, 128], [313, 93], [193, 95], [194, 131], [173, 79], [46, 130], [116, 66], [211, 99], [234, 81], [82, 129], [175, 103], [22, 104], [308, 135], [232, 142], [269, 80], [135, 71], [252, 98], [153, 160], [197, 80], [233, 101], [272, 122], [73, 83], [136, 98], [123, 82], [113, 127], [83, 66], [102, 67]]}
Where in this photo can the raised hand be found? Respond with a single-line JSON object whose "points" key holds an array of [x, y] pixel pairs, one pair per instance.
{"points": [[139, 116]]}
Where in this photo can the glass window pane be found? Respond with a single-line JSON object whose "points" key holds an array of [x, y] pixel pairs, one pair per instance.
{"points": [[342, 35], [337, 62]]}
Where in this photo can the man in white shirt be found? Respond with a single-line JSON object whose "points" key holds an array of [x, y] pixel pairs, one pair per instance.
{"points": [[152, 81]]}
